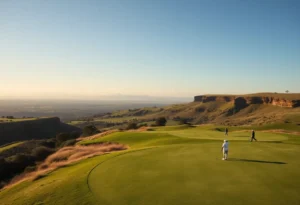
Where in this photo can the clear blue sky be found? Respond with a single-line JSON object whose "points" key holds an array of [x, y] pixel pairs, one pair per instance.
{"points": [[183, 48]]}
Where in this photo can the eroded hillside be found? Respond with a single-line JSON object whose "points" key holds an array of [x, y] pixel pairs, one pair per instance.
{"points": [[223, 109]]}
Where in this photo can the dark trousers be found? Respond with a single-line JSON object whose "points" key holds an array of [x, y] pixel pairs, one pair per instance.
{"points": [[253, 138]]}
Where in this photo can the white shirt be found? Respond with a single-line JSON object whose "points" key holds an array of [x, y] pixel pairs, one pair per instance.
{"points": [[225, 146]]}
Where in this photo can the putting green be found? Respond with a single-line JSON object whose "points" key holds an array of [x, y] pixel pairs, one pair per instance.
{"points": [[258, 173]]}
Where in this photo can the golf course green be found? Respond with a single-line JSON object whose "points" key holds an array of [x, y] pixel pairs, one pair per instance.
{"points": [[175, 165]]}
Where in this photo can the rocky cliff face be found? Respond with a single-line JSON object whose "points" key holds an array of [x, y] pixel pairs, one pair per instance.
{"points": [[212, 98], [33, 129], [244, 101]]}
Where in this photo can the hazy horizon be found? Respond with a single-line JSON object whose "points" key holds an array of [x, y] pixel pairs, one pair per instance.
{"points": [[108, 98], [147, 49]]}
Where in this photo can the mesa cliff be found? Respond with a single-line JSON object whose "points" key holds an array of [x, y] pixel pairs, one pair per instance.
{"points": [[33, 129], [241, 101]]}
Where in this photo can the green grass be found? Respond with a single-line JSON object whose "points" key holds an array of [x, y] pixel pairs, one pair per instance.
{"points": [[142, 140], [65, 186], [6, 147], [175, 165], [195, 175], [288, 127]]}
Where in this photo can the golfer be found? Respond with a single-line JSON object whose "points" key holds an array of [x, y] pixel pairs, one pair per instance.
{"points": [[253, 136], [225, 150], [226, 131]]}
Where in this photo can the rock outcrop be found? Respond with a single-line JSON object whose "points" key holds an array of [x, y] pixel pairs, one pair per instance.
{"points": [[244, 101]]}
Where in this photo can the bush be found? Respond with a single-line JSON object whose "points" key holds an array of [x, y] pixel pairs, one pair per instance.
{"points": [[74, 135], [68, 143], [50, 143], [17, 163], [143, 125], [200, 109], [30, 169], [131, 126], [61, 137], [161, 121], [90, 130], [2, 184], [41, 153], [183, 122], [22, 159], [4, 169]]}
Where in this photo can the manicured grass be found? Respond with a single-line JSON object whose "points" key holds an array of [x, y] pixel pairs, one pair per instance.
{"points": [[65, 186], [195, 174], [6, 147], [213, 135], [288, 127], [172, 128], [141, 140], [175, 165]]}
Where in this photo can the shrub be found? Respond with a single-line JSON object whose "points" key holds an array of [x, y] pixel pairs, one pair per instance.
{"points": [[90, 130], [74, 135], [30, 169], [61, 137], [131, 126], [68, 143], [22, 159], [200, 109], [19, 162], [4, 169], [2, 184], [143, 125], [161, 121], [41, 153], [183, 121], [48, 143]]}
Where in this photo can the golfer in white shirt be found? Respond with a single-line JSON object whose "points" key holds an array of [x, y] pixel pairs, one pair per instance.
{"points": [[225, 150]]}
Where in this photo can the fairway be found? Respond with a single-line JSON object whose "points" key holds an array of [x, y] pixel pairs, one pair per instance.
{"points": [[174, 165], [195, 174]]}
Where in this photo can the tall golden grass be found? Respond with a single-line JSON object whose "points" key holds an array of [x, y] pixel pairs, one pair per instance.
{"points": [[102, 134], [64, 157]]}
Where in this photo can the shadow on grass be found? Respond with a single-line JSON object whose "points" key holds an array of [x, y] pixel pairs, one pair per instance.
{"points": [[272, 141], [257, 161]]}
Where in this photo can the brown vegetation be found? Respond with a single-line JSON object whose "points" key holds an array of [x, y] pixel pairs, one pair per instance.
{"points": [[102, 134], [66, 156]]}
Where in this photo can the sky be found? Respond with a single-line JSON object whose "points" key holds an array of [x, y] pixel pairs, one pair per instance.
{"points": [[95, 48]]}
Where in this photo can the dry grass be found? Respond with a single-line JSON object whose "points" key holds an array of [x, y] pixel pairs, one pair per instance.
{"points": [[102, 134], [64, 157], [141, 129]]}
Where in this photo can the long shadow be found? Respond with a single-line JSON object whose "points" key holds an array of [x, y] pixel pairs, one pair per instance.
{"points": [[257, 161]]}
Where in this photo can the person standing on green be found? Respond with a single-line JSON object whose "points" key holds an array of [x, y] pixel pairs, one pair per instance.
{"points": [[253, 136], [226, 131]]}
